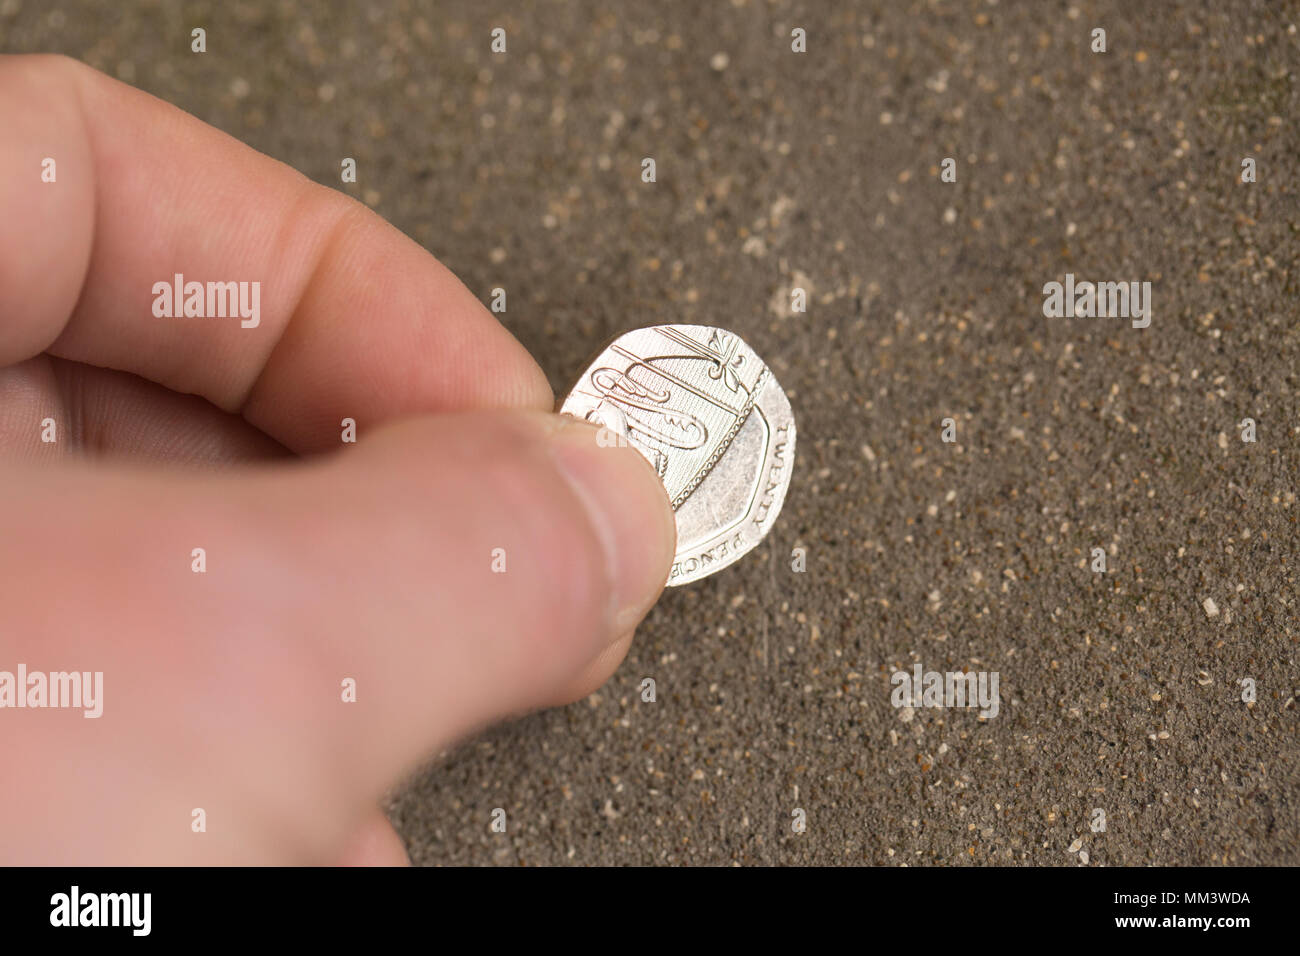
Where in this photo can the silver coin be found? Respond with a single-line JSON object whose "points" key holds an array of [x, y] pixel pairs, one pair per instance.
{"points": [[710, 418]]}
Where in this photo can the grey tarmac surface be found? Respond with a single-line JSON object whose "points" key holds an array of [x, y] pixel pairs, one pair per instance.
{"points": [[775, 170]]}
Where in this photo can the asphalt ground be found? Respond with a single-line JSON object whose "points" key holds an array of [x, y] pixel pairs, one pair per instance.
{"points": [[1119, 691]]}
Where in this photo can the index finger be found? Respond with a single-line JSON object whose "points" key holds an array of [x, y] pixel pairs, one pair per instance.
{"points": [[342, 315]]}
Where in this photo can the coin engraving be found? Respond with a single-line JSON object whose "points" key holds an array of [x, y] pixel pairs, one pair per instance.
{"points": [[708, 415]]}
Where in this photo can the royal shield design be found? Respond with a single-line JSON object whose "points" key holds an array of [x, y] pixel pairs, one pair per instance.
{"points": [[705, 411], [678, 393]]}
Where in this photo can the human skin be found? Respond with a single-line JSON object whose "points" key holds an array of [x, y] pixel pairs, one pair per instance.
{"points": [[324, 561]]}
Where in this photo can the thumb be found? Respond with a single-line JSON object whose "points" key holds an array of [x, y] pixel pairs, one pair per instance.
{"points": [[455, 569], [529, 546]]}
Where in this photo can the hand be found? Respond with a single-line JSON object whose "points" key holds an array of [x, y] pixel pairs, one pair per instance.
{"points": [[223, 689]]}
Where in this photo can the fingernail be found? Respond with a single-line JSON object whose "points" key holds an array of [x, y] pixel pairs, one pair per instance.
{"points": [[629, 509]]}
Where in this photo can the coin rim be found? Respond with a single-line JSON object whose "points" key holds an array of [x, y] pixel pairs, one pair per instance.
{"points": [[762, 404]]}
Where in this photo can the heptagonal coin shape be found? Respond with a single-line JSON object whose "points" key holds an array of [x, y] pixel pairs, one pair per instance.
{"points": [[709, 416]]}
